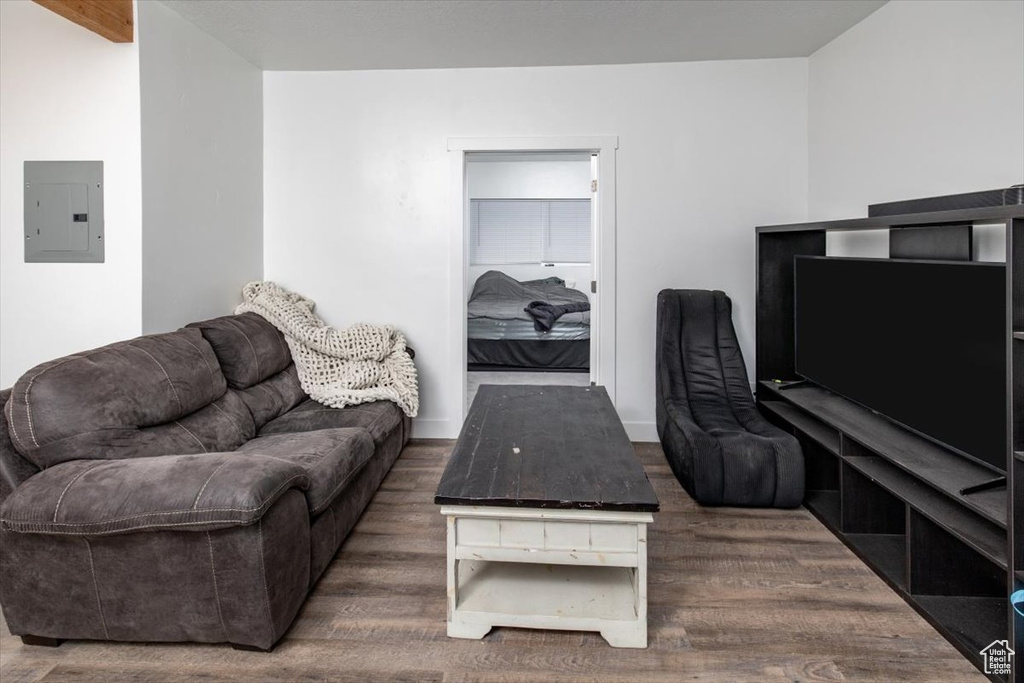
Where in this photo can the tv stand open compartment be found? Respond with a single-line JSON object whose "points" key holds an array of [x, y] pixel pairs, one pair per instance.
{"points": [[896, 504], [895, 498]]}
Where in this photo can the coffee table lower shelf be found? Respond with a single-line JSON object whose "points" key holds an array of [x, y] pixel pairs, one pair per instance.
{"points": [[552, 569], [550, 596]]}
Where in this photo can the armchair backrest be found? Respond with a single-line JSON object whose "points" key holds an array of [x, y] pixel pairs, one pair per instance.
{"points": [[699, 362]]}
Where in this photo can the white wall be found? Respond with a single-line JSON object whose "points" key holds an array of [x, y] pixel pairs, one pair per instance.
{"points": [[202, 172], [919, 99], [356, 190], [528, 179], [531, 179], [66, 94]]}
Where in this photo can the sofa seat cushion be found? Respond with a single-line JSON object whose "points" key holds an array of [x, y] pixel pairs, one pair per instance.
{"points": [[379, 418], [248, 347], [198, 492], [116, 398], [331, 458]]}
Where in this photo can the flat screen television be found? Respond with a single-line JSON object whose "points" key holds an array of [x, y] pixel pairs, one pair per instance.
{"points": [[922, 343]]}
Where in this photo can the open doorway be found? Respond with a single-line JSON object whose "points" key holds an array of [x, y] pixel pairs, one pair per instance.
{"points": [[599, 153], [530, 264]]}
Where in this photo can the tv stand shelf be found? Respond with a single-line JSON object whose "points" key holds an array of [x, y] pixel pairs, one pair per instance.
{"points": [[985, 533], [984, 538], [893, 496], [936, 466]]}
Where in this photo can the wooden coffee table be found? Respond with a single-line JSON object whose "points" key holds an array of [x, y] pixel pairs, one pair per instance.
{"points": [[547, 510]]}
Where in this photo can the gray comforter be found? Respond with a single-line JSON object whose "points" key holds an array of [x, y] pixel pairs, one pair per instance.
{"points": [[499, 297]]}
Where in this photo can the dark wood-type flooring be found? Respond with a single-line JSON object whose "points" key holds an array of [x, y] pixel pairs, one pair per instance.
{"points": [[734, 595]]}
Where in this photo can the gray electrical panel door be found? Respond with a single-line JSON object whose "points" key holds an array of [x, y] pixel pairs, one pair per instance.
{"points": [[64, 212]]}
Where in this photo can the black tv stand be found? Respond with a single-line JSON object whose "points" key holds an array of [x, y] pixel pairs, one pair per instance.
{"points": [[895, 498], [998, 482], [935, 525]]}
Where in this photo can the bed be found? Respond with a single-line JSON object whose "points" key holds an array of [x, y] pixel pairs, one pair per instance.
{"points": [[501, 334]]}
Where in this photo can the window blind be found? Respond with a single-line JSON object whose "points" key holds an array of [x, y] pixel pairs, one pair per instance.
{"points": [[508, 231], [568, 233]]}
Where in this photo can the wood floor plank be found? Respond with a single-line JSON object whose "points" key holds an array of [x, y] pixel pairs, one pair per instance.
{"points": [[734, 595]]}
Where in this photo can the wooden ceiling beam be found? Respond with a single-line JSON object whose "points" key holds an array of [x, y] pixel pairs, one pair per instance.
{"points": [[112, 19]]}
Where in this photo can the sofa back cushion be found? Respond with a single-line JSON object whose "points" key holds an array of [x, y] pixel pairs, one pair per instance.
{"points": [[273, 397], [155, 395], [248, 347]]}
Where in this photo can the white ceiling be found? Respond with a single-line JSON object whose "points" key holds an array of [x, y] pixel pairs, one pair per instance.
{"points": [[418, 34]]}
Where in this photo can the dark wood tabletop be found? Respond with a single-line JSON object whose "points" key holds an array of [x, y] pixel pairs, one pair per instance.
{"points": [[545, 447]]}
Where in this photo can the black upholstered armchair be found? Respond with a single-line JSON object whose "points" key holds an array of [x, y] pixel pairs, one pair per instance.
{"points": [[719, 447]]}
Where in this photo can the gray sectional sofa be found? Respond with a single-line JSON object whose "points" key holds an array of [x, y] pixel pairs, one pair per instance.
{"points": [[178, 487]]}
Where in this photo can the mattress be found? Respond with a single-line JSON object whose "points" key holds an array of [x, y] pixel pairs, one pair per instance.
{"points": [[520, 330], [562, 354]]}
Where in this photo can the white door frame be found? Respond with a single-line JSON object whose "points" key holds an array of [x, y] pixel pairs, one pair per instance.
{"points": [[603, 315]]}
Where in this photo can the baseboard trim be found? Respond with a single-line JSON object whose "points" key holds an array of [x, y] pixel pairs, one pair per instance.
{"points": [[645, 432], [433, 428]]}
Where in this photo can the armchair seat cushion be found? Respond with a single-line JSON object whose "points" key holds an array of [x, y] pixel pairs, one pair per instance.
{"points": [[330, 458], [379, 418], [172, 492]]}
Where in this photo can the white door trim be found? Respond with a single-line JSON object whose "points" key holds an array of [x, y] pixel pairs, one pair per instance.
{"points": [[604, 267]]}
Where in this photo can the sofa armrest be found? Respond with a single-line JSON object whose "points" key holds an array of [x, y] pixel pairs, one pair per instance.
{"points": [[14, 469], [198, 492]]}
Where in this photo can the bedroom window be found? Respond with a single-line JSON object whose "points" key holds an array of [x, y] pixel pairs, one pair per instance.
{"points": [[508, 231]]}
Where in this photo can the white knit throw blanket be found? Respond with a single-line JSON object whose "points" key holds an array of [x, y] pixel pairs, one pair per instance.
{"points": [[338, 368]]}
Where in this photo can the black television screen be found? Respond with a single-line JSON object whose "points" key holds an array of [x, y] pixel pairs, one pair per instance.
{"points": [[921, 342]]}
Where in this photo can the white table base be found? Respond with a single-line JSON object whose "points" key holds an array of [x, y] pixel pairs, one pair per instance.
{"points": [[576, 570]]}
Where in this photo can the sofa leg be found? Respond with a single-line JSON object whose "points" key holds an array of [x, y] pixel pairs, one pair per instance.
{"points": [[41, 641], [252, 648]]}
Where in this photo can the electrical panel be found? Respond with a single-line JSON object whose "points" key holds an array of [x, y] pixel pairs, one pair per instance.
{"points": [[64, 212]]}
